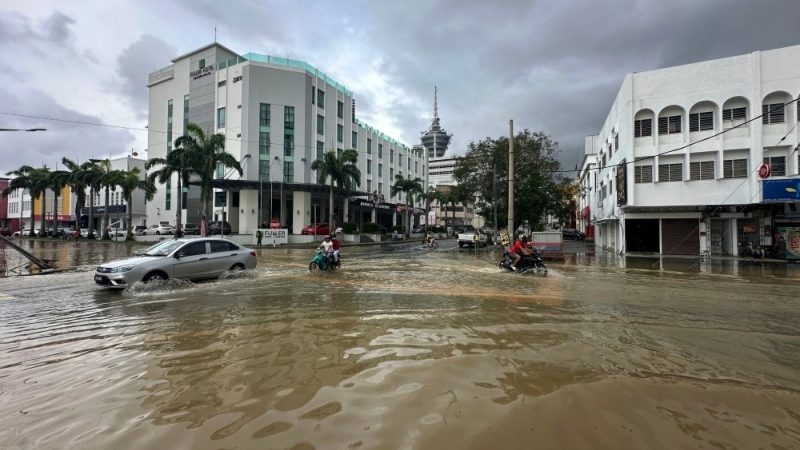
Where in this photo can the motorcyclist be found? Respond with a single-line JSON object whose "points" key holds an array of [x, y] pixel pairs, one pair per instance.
{"points": [[428, 238], [519, 249], [335, 246], [327, 248]]}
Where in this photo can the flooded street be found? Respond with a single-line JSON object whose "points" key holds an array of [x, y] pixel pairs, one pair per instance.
{"points": [[404, 348]]}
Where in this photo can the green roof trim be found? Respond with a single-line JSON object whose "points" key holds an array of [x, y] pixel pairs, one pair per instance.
{"points": [[297, 64]]}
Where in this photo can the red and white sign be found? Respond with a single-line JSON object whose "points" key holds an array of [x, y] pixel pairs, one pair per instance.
{"points": [[274, 224], [764, 171]]}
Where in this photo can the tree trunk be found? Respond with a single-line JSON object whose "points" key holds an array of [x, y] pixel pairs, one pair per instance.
{"points": [[78, 204], [105, 234], [55, 211], [206, 212], [33, 224], [178, 222], [129, 201], [43, 228], [90, 225]]}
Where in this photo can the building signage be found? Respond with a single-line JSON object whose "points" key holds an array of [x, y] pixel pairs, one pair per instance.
{"points": [[273, 236], [199, 73], [386, 206], [790, 236], [622, 184], [364, 203], [781, 190]]}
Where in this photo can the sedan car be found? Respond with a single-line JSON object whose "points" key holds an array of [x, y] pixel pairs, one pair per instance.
{"points": [[317, 228], [189, 259], [160, 229], [572, 233], [190, 228], [5, 231], [219, 227]]}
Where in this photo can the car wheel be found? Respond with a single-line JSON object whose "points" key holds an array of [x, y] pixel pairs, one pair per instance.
{"points": [[460, 245], [155, 276], [158, 232], [237, 268]]}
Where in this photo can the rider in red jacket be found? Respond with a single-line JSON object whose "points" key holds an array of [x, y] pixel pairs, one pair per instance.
{"points": [[519, 248], [336, 246]]}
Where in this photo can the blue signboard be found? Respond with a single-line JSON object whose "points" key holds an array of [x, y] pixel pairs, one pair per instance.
{"points": [[782, 190]]}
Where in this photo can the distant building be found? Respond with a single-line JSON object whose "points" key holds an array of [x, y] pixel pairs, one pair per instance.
{"points": [[19, 204], [700, 159], [435, 140], [587, 180], [118, 205]]}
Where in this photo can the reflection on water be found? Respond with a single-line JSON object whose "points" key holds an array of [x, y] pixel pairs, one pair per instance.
{"points": [[405, 349]]}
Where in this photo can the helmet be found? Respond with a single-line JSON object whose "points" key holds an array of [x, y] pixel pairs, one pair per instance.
{"points": [[327, 238], [524, 238]]}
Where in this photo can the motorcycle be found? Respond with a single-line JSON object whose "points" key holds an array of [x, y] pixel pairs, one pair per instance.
{"points": [[532, 263], [324, 262], [432, 243]]}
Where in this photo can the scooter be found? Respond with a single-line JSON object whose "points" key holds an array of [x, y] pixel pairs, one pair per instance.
{"points": [[324, 262], [432, 243], [529, 263]]}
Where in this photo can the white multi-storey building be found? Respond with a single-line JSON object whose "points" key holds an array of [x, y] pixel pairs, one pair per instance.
{"points": [[586, 192], [117, 203], [684, 154], [278, 115]]}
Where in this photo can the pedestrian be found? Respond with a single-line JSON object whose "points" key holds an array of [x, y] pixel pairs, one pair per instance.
{"points": [[259, 235]]}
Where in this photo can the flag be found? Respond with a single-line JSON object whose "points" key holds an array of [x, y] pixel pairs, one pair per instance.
{"points": [[203, 229]]}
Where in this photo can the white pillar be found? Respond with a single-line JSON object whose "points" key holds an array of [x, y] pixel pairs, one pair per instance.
{"points": [[373, 216], [345, 210], [301, 205], [394, 218]]}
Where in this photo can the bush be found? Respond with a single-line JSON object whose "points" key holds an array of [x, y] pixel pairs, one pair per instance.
{"points": [[370, 228], [399, 228], [349, 228]]}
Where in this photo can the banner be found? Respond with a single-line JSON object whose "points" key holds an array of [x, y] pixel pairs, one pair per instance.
{"points": [[790, 236], [781, 190], [272, 237]]}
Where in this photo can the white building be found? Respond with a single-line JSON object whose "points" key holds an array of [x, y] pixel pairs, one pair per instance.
{"points": [[587, 180], [278, 116], [440, 171], [117, 204], [668, 182]]}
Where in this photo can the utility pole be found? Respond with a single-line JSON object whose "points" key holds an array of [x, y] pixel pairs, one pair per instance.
{"points": [[511, 179], [494, 197]]}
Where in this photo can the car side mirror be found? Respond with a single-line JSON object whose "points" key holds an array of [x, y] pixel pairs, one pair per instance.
{"points": [[179, 255]]}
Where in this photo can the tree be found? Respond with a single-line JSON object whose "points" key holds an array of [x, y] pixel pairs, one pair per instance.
{"points": [[30, 179], [78, 181], [109, 179], [430, 195], [342, 172], [93, 176], [58, 180], [535, 164], [409, 187], [129, 182], [177, 162], [206, 152], [41, 182]]}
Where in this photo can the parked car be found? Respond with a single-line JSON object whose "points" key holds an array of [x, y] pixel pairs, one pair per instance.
{"points": [[219, 226], [572, 233], [139, 230], [317, 228], [5, 231], [471, 237], [117, 232], [489, 232], [190, 259], [160, 229], [190, 228], [26, 233]]}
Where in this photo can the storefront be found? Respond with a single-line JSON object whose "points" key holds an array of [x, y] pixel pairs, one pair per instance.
{"points": [[784, 231]]}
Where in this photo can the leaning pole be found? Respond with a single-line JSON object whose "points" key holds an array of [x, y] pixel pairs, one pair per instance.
{"points": [[43, 265]]}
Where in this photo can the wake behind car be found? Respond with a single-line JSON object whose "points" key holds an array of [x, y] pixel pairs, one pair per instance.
{"points": [[189, 259]]}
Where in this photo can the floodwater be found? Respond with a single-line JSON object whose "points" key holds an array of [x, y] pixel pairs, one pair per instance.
{"points": [[404, 349]]}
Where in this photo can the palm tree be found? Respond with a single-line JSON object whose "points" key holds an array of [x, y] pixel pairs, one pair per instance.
{"points": [[108, 180], [58, 180], [129, 182], [78, 182], [206, 152], [342, 171], [430, 195], [41, 183], [177, 162], [93, 176], [26, 177], [410, 188]]}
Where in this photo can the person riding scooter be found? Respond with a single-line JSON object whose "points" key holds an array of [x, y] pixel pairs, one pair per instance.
{"points": [[519, 249], [327, 247], [335, 246]]}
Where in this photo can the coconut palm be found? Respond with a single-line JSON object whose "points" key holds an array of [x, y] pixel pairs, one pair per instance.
{"points": [[30, 179], [206, 153], [129, 182], [108, 180], [41, 183], [342, 172], [409, 187], [177, 162], [430, 195], [78, 181], [59, 179], [93, 175]]}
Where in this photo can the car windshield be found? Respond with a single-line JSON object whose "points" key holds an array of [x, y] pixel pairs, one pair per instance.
{"points": [[163, 248]]}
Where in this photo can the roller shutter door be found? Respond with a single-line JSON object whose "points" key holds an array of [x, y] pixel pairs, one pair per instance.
{"points": [[680, 237]]}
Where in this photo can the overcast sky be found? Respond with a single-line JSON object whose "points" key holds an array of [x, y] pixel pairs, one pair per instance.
{"points": [[551, 66]]}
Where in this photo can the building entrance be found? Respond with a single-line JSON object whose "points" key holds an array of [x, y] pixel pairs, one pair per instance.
{"points": [[641, 235]]}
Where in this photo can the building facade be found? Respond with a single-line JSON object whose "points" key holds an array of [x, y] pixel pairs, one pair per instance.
{"points": [[278, 115], [693, 159], [117, 204], [586, 179]]}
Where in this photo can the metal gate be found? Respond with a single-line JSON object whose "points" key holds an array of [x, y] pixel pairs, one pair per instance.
{"points": [[716, 237], [680, 237]]}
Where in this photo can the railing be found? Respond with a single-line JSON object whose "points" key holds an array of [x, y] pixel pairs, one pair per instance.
{"points": [[160, 75]]}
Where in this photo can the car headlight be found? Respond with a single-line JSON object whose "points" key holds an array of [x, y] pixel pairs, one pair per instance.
{"points": [[121, 269]]}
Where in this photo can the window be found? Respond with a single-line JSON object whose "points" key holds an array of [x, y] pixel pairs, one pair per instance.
{"points": [[369, 185], [320, 98], [391, 156], [369, 146], [380, 170], [320, 149], [354, 140], [263, 114], [701, 121], [616, 142], [169, 126], [391, 174], [201, 64], [185, 112], [263, 145], [733, 116], [409, 164], [220, 199], [288, 117], [339, 133], [777, 165], [701, 170], [369, 166], [380, 151], [193, 249], [354, 110], [734, 168], [288, 145], [320, 124], [221, 117], [415, 166], [235, 199], [222, 246], [288, 171], [168, 198], [340, 110], [773, 113], [669, 125], [643, 127], [670, 172], [380, 188]]}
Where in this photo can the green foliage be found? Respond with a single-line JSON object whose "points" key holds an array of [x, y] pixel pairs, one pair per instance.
{"points": [[342, 171], [370, 228], [349, 228], [539, 191]]}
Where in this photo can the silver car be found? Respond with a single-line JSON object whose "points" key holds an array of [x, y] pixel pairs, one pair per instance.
{"points": [[190, 259]]}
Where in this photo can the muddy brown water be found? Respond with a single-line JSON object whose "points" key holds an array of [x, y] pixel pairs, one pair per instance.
{"points": [[404, 349]]}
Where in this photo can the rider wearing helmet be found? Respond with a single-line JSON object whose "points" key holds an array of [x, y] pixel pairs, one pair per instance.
{"points": [[335, 245], [519, 248]]}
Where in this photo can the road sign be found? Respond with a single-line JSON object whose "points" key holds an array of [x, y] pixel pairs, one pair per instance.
{"points": [[274, 224]]}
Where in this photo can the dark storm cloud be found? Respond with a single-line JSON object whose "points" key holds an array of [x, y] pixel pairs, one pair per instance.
{"points": [[140, 58], [61, 139]]}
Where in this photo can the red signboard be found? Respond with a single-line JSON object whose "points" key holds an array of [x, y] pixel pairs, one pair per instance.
{"points": [[274, 224]]}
